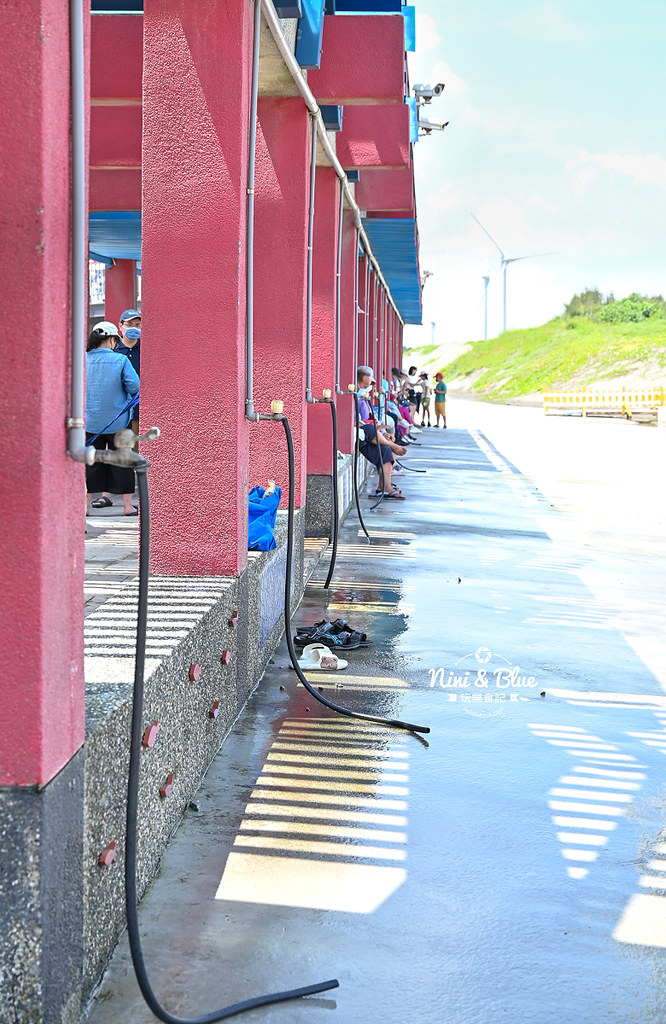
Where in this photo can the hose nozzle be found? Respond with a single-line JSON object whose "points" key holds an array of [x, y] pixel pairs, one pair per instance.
{"points": [[123, 454]]}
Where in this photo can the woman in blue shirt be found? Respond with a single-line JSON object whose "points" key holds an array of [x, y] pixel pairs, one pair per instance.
{"points": [[111, 381]]}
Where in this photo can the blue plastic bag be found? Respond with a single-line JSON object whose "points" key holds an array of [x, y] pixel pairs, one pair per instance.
{"points": [[262, 512]]}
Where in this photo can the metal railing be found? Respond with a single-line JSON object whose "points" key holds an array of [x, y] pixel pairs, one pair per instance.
{"points": [[624, 401]]}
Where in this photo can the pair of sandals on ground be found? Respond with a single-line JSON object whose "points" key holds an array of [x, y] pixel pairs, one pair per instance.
{"points": [[339, 636], [395, 492], [105, 502]]}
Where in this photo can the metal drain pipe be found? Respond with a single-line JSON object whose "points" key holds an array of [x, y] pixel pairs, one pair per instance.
{"points": [[75, 422]]}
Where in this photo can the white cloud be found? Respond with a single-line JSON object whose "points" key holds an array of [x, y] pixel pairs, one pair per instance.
{"points": [[547, 20], [427, 36], [441, 72], [649, 169]]}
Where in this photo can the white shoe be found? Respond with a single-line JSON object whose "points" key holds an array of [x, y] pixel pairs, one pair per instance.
{"points": [[321, 658], [398, 472]]}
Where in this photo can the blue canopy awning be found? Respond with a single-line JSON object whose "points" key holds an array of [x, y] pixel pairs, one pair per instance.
{"points": [[115, 234], [394, 243]]}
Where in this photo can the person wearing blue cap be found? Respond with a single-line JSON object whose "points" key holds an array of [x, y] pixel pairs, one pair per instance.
{"points": [[129, 345], [111, 381]]}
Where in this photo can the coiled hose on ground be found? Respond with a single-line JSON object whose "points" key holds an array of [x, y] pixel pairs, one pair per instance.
{"points": [[133, 804], [391, 722]]}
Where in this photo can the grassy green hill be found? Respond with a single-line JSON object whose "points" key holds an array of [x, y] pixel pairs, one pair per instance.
{"points": [[560, 354]]}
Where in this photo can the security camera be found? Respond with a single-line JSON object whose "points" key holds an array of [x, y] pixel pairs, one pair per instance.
{"points": [[423, 93], [438, 89], [432, 126]]}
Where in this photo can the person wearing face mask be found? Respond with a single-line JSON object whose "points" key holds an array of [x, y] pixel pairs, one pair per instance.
{"points": [[111, 382], [129, 327], [376, 446]]}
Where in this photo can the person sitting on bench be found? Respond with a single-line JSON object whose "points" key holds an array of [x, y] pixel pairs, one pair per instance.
{"points": [[377, 446]]}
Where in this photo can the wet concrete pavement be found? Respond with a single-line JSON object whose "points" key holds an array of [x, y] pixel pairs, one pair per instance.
{"points": [[514, 869]]}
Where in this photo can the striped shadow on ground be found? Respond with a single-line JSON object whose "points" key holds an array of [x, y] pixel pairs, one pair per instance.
{"points": [[326, 824], [588, 801]]}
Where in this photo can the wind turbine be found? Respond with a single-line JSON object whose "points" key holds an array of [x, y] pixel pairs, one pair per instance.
{"points": [[504, 262], [486, 279]]}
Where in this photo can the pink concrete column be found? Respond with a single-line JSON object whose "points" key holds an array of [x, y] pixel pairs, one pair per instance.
{"points": [[41, 601], [327, 197], [280, 266], [363, 298], [195, 139], [382, 330], [347, 332], [119, 289], [387, 340], [370, 317], [374, 324]]}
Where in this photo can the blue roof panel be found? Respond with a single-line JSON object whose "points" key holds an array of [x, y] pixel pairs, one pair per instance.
{"points": [[394, 244], [115, 234]]}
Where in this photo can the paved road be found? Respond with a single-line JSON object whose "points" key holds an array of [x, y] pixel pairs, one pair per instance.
{"points": [[512, 870]]}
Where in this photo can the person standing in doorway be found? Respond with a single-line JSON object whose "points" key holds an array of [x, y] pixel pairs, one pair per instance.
{"points": [[129, 345], [440, 399], [111, 382]]}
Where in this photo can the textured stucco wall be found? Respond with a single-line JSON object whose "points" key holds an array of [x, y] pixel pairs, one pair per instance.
{"points": [[327, 195], [195, 132], [42, 551], [282, 180], [345, 405], [374, 136], [119, 289], [387, 190], [363, 60]]}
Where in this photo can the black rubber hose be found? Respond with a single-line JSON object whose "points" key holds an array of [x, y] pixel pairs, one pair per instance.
{"points": [[393, 722], [409, 468], [357, 421], [133, 807], [335, 518], [382, 484]]}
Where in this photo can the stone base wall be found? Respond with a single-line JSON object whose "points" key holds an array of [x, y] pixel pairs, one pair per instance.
{"points": [[41, 906], [192, 622], [209, 640], [319, 495]]}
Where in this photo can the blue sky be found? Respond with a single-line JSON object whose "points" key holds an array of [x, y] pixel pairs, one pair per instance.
{"points": [[556, 141]]}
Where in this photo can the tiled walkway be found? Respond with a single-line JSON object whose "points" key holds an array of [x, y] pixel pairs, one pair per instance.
{"points": [[112, 559]]}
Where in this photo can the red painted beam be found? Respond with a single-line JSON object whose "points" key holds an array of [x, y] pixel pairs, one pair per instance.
{"points": [[386, 190], [116, 63], [115, 189], [374, 137], [363, 60], [115, 112], [115, 137]]}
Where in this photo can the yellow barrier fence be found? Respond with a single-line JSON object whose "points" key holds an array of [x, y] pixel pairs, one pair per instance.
{"points": [[624, 401]]}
